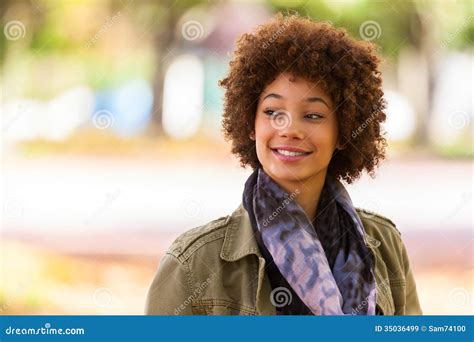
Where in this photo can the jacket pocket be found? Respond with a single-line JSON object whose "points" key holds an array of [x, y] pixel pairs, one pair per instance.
{"points": [[222, 307]]}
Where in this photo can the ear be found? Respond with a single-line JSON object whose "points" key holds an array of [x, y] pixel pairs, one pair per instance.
{"points": [[252, 136]]}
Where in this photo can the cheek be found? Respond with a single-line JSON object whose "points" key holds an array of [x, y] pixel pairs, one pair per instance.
{"points": [[324, 137], [263, 130]]}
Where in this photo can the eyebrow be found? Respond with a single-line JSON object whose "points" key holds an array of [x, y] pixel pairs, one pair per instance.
{"points": [[309, 99]]}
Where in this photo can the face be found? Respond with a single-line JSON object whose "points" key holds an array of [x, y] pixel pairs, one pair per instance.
{"points": [[296, 131]]}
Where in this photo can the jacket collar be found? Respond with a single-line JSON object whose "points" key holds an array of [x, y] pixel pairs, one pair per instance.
{"points": [[239, 240]]}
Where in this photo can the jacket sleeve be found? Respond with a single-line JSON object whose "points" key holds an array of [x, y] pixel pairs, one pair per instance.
{"points": [[169, 293], [412, 302]]}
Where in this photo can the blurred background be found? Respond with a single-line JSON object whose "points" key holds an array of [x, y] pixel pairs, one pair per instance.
{"points": [[111, 141]]}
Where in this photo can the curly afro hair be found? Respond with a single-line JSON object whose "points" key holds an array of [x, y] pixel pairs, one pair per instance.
{"points": [[347, 69]]}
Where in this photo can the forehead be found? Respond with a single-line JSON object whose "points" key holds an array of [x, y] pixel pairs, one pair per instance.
{"points": [[295, 88]]}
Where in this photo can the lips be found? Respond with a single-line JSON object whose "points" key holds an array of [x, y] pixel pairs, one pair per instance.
{"points": [[290, 154], [289, 149]]}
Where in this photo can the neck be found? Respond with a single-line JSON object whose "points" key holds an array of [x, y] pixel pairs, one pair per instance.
{"points": [[307, 192]]}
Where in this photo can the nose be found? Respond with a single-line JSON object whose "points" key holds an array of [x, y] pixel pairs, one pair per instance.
{"points": [[290, 128]]}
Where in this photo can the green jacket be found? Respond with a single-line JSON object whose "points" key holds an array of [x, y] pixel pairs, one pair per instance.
{"points": [[217, 269]]}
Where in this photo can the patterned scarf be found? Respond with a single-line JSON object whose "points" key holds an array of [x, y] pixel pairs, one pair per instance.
{"points": [[327, 265]]}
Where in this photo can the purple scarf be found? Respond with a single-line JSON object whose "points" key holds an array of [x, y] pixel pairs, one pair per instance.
{"points": [[327, 265]]}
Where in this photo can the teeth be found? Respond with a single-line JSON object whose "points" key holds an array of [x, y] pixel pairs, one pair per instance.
{"points": [[290, 153]]}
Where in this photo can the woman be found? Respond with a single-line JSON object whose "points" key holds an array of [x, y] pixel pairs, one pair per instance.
{"points": [[303, 108]]}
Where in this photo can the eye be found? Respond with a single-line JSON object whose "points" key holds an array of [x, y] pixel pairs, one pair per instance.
{"points": [[270, 112], [314, 116], [273, 113]]}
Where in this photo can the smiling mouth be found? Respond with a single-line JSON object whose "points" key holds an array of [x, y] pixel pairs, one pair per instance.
{"points": [[290, 153]]}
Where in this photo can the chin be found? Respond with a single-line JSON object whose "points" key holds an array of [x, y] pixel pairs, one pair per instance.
{"points": [[288, 173]]}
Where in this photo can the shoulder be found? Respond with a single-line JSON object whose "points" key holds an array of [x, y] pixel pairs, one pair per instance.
{"points": [[380, 228], [388, 238], [189, 242], [374, 221]]}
